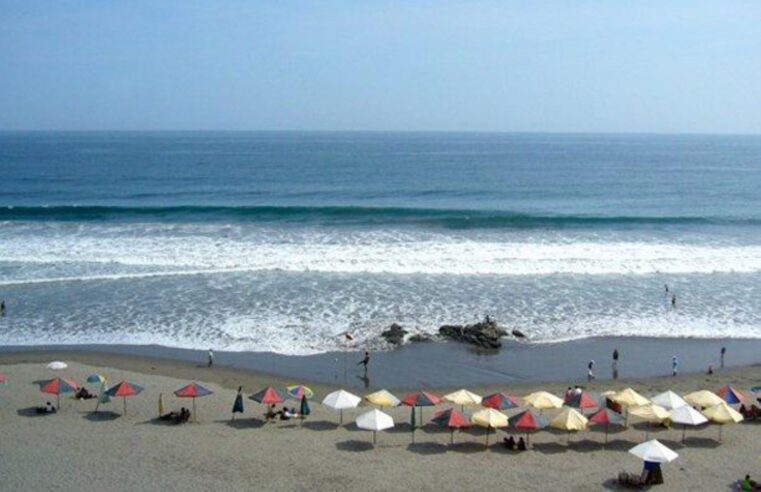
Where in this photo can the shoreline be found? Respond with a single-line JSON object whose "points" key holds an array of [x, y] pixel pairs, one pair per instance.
{"points": [[432, 366]]}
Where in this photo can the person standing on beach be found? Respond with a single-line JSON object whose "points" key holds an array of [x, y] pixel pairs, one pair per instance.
{"points": [[615, 364], [674, 366], [673, 301], [365, 361], [238, 404], [590, 374], [723, 351], [211, 358], [2, 307]]}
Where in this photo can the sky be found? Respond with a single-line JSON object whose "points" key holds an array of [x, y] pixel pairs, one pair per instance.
{"points": [[412, 65]]}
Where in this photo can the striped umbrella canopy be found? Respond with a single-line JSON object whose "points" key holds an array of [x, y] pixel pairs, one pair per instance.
{"points": [[421, 399], [96, 379], [193, 390], [452, 420], [584, 401], [500, 401], [732, 396], [267, 396], [57, 386], [528, 421], [124, 389], [298, 391], [607, 417]]}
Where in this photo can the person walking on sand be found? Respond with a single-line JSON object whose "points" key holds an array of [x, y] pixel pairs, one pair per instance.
{"points": [[365, 361], [674, 366], [590, 373], [211, 357], [238, 404], [723, 352], [2, 307]]}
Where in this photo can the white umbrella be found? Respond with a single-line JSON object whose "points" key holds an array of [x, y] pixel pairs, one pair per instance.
{"points": [[57, 365], [669, 400], [654, 451], [686, 415], [341, 400], [375, 421]]}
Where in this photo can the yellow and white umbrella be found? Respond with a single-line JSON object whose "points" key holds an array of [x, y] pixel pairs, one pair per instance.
{"points": [[542, 400], [489, 418], [703, 399], [722, 414], [630, 398], [383, 399], [655, 414], [569, 420], [463, 397]]}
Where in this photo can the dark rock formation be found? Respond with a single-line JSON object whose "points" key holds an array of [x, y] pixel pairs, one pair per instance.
{"points": [[394, 335], [420, 338], [485, 334], [518, 334]]}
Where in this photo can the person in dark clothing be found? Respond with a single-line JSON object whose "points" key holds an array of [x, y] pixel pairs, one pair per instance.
{"points": [[365, 361]]}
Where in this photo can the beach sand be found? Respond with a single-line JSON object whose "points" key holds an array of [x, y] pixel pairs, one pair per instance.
{"points": [[77, 449]]}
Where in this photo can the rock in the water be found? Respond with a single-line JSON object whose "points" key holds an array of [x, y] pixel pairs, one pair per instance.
{"points": [[420, 338], [394, 335], [518, 334], [485, 334]]}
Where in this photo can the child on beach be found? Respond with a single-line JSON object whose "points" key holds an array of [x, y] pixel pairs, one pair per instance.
{"points": [[590, 374], [674, 366]]}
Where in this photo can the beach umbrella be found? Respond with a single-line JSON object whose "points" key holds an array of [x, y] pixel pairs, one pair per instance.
{"points": [[722, 414], [606, 417], [297, 392], [651, 413], [584, 401], [490, 419], [528, 421], [463, 397], [383, 399], [686, 415], [703, 399], [452, 420], [341, 400], [375, 421], [57, 386], [96, 379], [542, 400], [669, 400], [267, 396], [500, 401], [57, 365], [630, 398], [421, 399], [654, 452], [732, 396], [124, 389], [193, 390], [569, 420]]}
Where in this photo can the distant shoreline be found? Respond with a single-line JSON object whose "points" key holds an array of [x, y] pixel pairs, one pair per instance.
{"points": [[426, 365]]}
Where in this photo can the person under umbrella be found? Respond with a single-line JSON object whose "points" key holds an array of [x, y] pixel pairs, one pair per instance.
{"points": [[238, 404], [528, 421], [193, 390], [491, 419]]}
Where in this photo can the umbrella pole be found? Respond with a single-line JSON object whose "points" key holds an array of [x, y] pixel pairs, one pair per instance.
{"points": [[125, 404], [341, 417], [720, 428], [194, 409], [451, 436], [606, 433], [487, 438], [684, 431], [526, 439], [373, 438], [58, 401]]}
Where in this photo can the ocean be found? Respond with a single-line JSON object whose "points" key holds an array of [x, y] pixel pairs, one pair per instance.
{"points": [[281, 242]]}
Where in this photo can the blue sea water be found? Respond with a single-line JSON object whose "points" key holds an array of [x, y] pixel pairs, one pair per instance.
{"points": [[282, 241]]}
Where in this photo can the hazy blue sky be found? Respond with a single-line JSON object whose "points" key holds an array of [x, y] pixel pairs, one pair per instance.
{"points": [[569, 65]]}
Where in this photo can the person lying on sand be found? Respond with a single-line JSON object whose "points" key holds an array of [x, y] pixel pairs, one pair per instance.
{"points": [[747, 484], [83, 394], [177, 417]]}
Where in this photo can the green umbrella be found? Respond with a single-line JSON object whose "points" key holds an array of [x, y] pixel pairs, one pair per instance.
{"points": [[412, 423]]}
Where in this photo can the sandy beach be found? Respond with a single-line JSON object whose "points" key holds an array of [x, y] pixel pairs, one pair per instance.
{"points": [[77, 449]]}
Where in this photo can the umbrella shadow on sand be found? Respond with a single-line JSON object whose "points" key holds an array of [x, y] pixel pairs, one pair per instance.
{"points": [[104, 416], [427, 448], [354, 446], [242, 423], [691, 442], [466, 447], [321, 425], [549, 447]]}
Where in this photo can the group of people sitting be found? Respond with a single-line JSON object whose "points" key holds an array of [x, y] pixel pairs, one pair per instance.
{"points": [[750, 413], [83, 394], [48, 408], [180, 417], [513, 445], [284, 414]]}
